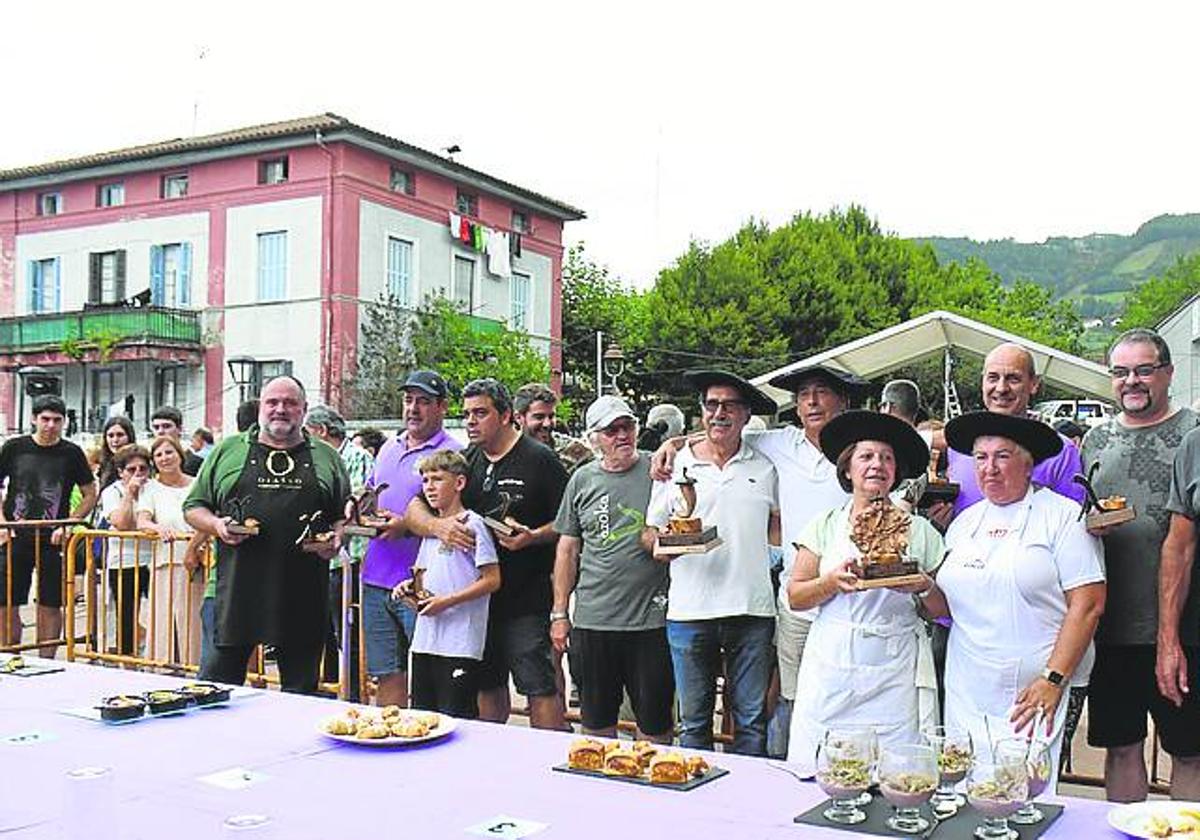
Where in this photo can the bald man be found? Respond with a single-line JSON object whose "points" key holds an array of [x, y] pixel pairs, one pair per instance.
{"points": [[1009, 382]]}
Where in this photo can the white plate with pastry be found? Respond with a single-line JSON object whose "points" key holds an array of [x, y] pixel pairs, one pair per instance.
{"points": [[1162, 819], [387, 727]]}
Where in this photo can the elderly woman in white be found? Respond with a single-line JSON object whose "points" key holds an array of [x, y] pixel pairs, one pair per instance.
{"points": [[1024, 585], [867, 661]]}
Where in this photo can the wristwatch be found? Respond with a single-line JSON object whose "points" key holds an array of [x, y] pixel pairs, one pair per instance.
{"points": [[560, 616], [1053, 677]]}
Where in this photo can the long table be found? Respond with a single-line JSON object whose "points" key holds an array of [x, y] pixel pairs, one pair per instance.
{"points": [[317, 789]]}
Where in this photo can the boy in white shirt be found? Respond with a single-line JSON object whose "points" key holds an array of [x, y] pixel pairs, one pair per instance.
{"points": [[450, 588]]}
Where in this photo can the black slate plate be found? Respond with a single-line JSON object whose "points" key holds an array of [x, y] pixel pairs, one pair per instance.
{"points": [[690, 784], [959, 827]]}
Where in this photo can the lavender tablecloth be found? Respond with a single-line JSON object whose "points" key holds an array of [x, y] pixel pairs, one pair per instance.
{"points": [[317, 789]]}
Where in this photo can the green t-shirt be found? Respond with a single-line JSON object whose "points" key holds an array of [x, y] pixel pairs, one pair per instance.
{"points": [[621, 587]]}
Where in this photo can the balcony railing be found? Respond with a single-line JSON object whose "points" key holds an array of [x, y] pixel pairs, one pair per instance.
{"points": [[147, 325]]}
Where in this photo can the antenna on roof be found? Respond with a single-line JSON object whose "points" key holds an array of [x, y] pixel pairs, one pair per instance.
{"points": [[451, 151], [196, 102]]}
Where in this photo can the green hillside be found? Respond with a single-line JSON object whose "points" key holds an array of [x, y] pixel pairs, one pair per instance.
{"points": [[1097, 270]]}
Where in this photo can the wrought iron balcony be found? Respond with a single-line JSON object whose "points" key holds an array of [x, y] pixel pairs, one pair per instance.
{"points": [[154, 325]]}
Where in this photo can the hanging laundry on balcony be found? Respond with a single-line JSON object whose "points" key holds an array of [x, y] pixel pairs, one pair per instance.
{"points": [[455, 225], [515, 246], [498, 254]]}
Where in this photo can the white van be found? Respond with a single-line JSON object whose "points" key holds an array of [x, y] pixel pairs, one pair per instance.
{"points": [[1087, 413]]}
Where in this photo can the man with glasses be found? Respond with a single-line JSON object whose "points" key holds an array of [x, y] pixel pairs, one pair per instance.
{"points": [[519, 482], [808, 485], [41, 470], [617, 633], [388, 623], [1136, 451], [721, 608]]}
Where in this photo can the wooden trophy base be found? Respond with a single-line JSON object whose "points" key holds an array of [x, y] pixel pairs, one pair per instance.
{"points": [[242, 530], [701, 537], [502, 527], [1108, 518], [680, 550], [938, 491], [364, 529], [881, 574]]}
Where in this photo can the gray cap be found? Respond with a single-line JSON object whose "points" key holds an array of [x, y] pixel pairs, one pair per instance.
{"points": [[428, 381], [603, 412], [326, 417]]}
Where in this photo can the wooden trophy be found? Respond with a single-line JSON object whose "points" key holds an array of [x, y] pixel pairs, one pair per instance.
{"points": [[881, 533], [1106, 512], [366, 519], [240, 523], [686, 534], [317, 533], [937, 487], [498, 519]]}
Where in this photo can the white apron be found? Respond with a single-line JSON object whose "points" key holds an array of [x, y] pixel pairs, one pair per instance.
{"points": [[982, 681], [868, 661]]}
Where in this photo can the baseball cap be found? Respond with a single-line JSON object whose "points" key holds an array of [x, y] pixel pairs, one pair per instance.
{"points": [[605, 410], [323, 415], [427, 381]]}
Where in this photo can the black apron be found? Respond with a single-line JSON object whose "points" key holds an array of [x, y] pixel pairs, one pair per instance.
{"points": [[268, 589]]}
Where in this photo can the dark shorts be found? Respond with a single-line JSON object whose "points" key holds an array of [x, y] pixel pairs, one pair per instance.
{"points": [[1123, 690], [388, 625], [616, 661], [447, 684], [519, 645], [24, 557]]}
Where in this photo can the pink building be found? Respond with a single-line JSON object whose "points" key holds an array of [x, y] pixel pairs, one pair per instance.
{"points": [[139, 273]]}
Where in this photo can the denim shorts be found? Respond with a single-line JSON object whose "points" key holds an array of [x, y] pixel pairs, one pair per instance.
{"points": [[388, 625]]}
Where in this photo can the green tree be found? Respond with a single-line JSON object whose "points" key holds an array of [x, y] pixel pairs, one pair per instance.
{"points": [[596, 301], [438, 336], [1159, 296]]}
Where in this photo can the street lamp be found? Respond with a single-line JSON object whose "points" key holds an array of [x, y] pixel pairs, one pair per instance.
{"points": [[614, 365], [242, 369]]}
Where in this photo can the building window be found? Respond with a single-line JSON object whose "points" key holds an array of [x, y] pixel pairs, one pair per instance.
{"points": [[171, 275], [272, 265], [402, 181], [106, 277], [50, 204], [464, 283], [274, 171], [467, 203], [520, 221], [399, 270], [175, 186], [518, 315], [171, 385], [44, 290], [110, 195], [265, 371], [108, 388]]}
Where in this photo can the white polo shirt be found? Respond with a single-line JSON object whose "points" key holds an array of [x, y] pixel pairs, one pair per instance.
{"points": [[735, 578], [808, 487]]}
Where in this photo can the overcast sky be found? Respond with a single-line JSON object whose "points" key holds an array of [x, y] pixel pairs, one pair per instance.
{"points": [[663, 121]]}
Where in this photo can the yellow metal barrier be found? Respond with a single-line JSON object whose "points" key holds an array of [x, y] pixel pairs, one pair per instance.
{"points": [[32, 536]]}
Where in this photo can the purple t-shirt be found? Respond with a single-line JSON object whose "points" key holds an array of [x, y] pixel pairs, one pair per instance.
{"points": [[390, 561], [1056, 473]]}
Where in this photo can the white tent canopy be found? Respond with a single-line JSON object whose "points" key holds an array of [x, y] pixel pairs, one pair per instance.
{"points": [[919, 338]]}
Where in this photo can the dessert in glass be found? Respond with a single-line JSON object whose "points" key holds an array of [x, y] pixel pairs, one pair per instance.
{"points": [[955, 753], [845, 760], [997, 790], [1035, 755], [908, 776]]}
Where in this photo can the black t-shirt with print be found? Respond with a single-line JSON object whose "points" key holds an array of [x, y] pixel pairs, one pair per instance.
{"points": [[534, 479], [41, 478]]}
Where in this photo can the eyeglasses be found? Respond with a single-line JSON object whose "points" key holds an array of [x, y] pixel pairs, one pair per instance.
{"points": [[140, 469], [1140, 371], [713, 406], [619, 428]]}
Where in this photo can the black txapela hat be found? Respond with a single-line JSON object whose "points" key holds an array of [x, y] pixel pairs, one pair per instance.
{"points": [[912, 455], [847, 383], [1034, 435], [759, 402]]}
